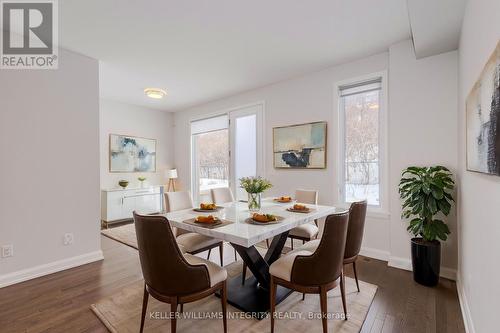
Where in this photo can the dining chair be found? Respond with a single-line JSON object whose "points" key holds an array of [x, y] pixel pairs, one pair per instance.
{"points": [[222, 195], [315, 267], [191, 242], [170, 276], [355, 229], [309, 231]]}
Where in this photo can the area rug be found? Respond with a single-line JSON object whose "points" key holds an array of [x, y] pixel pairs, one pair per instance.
{"points": [[121, 312], [124, 234]]}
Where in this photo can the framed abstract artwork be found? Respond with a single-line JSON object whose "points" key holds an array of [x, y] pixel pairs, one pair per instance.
{"points": [[131, 154], [301, 146], [483, 119]]}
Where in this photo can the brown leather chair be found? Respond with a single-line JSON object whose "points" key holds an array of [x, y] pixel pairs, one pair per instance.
{"points": [[315, 267], [170, 276], [355, 229]]}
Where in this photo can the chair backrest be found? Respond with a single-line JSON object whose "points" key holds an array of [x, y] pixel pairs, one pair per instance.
{"points": [[307, 196], [221, 195], [163, 266], [325, 264], [355, 229], [178, 201]]}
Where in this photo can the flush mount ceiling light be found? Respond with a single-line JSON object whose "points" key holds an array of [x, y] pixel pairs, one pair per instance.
{"points": [[155, 93]]}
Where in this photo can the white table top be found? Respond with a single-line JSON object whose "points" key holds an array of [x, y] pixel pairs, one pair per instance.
{"points": [[243, 233]]}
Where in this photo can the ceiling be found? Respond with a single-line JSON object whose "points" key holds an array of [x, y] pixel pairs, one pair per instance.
{"points": [[435, 25], [208, 49]]}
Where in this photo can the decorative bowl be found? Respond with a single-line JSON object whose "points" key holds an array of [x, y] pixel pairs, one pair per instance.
{"points": [[123, 183]]}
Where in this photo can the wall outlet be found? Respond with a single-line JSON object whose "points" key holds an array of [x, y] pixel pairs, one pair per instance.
{"points": [[68, 239], [7, 251]]}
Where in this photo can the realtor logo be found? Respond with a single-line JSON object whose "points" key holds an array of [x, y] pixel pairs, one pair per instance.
{"points": [[29, 34]]}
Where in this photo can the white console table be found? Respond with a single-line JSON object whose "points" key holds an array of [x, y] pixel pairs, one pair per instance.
{"points": [[118, 204]]}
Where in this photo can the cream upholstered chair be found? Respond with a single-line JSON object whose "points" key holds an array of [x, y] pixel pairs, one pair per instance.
{"points": [[315, 267], [222, 195], [190, 242], [308, 231], [169, 275]]}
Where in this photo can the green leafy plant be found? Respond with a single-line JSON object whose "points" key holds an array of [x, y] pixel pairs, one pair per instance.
{"points": [[255, 184], [426, 194]]}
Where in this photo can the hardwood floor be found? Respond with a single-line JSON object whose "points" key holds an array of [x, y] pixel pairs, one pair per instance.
{"points": [[60, 302]]}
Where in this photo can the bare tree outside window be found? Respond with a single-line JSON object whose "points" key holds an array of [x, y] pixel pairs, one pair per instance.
{"points": [[361, 114], [212, 159]]}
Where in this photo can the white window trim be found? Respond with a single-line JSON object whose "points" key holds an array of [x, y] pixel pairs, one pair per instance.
{"points": [[381, 211], [260, 143]]}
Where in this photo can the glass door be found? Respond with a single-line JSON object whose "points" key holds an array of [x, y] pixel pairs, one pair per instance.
{"points": [[210, 156], [245, 141]]}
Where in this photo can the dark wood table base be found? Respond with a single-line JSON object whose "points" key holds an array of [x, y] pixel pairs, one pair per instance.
{"points": [[253, 296], [250, 298]]}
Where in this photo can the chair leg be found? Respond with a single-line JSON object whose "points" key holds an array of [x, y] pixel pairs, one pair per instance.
{"points": [[272, 301], [144, 307], [355, 274], [324, 308], [267, 243], [208, 255], [303, 296], [221, 254], [235, 257], [223, 300], [182, 308], [244, 274], [303, 241], [173, 315], [342, 293], [291, 240]]}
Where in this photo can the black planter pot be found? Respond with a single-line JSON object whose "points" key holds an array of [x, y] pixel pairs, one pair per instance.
{"points": [[426, 261]]}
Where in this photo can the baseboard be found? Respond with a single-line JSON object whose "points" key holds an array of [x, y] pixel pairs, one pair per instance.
{"points": [[375, 253], [464, 306], [403, 263], [45, 269]]}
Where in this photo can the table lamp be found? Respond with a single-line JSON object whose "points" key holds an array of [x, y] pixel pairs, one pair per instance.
{"points": [[171, 175]]}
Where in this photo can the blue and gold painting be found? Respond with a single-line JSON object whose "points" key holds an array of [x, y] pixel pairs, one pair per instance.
{"points": [[300, 146], [131, 154]]}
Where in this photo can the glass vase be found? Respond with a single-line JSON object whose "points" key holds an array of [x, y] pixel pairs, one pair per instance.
{"points": [[254, 201]]}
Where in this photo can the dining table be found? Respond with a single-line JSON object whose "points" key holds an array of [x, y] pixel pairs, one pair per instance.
{"points": [[243, 234]]}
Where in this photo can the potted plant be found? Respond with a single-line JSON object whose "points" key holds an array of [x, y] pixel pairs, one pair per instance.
{"points": [[254, 187], [427, 197]]}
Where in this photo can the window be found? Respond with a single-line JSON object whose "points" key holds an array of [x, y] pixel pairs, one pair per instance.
{"points": [[210, 156], [225, 148], [360, 113]]}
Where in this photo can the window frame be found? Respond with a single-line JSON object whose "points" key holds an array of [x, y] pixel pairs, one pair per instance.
{"points": [[383, 208]]}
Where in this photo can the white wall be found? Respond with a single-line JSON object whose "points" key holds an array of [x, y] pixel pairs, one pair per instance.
{"points": [[120, 118], [422, 131], [49, 139], [479, 205], [424, 96], [300, 100]]}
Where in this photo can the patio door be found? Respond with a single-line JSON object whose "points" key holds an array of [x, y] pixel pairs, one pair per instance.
{"points": [[224, 149], [245, 146]]}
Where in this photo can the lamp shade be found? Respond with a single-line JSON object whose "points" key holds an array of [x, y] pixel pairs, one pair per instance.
{"points": [[171, 174]]}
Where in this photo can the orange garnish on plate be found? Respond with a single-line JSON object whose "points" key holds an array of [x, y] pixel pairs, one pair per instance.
{"points": [[206, 219], [299, 207], [263, 217], [208, 206], [284, 199]]}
